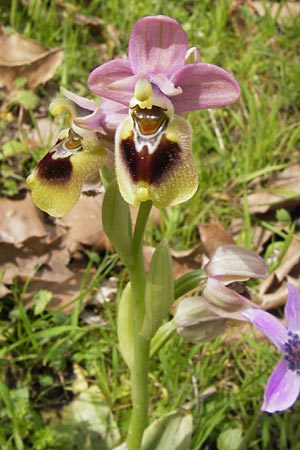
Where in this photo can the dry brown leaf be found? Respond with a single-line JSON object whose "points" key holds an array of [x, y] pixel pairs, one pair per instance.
{"points": [[185, 261], [280, 10], [35, 258], [64, 293], [259, 237], [283, 191], [236, 13], [212, 236], [20, 220], [273, 290], [84, 226], [23, 57]]}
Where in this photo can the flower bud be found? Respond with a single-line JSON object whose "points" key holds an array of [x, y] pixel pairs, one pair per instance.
{"points": [[195, 322]]}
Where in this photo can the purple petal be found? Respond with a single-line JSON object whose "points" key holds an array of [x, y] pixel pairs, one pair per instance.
{"points": [[282, 388], [269, 325], [292, 309], [113, 80], [157, 44], [204, 86]]}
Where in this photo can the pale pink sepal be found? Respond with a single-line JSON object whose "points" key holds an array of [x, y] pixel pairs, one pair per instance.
{"points": [[157, 45], [234, 263]]}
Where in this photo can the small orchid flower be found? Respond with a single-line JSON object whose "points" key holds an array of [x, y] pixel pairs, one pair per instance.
{"points": [[283, 386], [80, 151], [223, 292], [158, 52], [161, 79], [195, 322]]}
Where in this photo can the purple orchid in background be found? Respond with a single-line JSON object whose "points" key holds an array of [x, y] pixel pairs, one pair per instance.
{"points": [[158, 51], [161, 79], [283, 386], [72, 165]]}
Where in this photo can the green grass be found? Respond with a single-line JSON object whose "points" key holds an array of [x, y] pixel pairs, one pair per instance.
{"points": [[232, 146]]}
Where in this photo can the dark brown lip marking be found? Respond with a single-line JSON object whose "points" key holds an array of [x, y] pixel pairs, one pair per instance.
{"points": [[57, 170], [150, 168]]}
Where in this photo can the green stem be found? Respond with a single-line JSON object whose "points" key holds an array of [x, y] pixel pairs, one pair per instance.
{"points": [[139, 373]]}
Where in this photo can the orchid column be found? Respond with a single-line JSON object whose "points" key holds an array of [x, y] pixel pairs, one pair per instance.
{"points": [[160, 80]]}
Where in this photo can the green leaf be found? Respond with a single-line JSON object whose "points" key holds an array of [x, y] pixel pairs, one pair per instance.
{"points": [[41, 300], [12, 148], [25, 98], [159, 290], [170, 432], [117, 221], [86, 422], [230, 439], [284, 216], [125, 326]]}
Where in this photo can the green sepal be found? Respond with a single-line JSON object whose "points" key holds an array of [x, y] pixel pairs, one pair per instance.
{"points": [[159, 290], [107, 176], [188, 282], [161, 337], [125, 326], [170, 432], [116, 221]]}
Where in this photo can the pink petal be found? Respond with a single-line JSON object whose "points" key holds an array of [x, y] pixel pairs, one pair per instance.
{"points": [[282, 389], [292, 309], [225, 302], [83, 102], [204, 86], [105, 118], [113, 80], [234, 263], [269, 325], [157, 44], [165, 85]]}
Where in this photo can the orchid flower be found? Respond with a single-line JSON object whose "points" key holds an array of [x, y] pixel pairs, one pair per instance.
{"points": [[283, 386], [161, 79], [80, 151], [195, 322], [223, 292], [201, 318]]}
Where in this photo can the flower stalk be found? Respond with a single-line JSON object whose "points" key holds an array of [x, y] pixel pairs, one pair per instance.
{"points": [[140, 369]]}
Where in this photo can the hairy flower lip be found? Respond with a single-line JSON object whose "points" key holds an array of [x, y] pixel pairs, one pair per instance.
{"points": [[158, 47], [68, 168]]}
